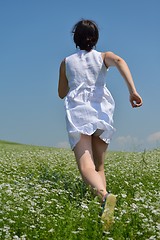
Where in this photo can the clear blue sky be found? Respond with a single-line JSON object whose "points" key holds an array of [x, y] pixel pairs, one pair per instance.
{"points": [[34, 38]]}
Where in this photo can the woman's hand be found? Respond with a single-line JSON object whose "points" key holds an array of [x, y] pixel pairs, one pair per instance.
{"points": [[135, 100]]}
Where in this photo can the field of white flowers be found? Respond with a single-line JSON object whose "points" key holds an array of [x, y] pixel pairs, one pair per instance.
{"points": [[42, 196]]}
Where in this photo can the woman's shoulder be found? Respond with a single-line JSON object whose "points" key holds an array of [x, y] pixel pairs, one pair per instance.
{"points": [[69, 57], [101, 53], [107, 54]]}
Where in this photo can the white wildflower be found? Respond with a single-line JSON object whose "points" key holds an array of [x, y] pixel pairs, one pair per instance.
{"points": [[123, 211], [51, 230], [16, 237], [80, 229], [134, 206], [32, 226], [158, 226], [152, 238], [75, 232], [124, 195], [83, 205]]}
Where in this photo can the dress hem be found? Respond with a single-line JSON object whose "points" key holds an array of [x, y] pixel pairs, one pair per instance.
{"points": [[105, 136]]}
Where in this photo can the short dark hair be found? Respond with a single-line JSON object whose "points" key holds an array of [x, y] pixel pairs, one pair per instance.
{"points": [[85, 34]]}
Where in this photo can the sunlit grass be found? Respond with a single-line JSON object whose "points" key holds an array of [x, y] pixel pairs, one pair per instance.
{"points": [[42, 195]]}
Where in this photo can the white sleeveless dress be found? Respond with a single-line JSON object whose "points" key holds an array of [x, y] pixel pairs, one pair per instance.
{"points": [[89, 105]]}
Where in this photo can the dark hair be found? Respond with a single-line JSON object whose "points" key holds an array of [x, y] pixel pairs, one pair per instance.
{"points": [[85, 34]]}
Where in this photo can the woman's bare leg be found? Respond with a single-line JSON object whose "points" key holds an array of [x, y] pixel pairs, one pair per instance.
{"points": [[84, 157], [99, 148]]}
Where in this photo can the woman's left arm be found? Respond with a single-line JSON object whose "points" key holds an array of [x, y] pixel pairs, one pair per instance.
{"points": [[112, 59]]}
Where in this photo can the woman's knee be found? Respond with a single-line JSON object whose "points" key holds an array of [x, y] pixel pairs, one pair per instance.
{"points": [[86, 163], [99, 151], [99, 166]]}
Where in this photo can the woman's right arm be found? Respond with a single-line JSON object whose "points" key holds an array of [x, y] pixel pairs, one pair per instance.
{"points": [[63, 87]]}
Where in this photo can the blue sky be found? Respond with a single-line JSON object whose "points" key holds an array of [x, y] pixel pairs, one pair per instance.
{"points": [[35, 35]]}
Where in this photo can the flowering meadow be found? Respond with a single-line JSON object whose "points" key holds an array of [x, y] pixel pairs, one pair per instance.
{"points": [[43, 197]]}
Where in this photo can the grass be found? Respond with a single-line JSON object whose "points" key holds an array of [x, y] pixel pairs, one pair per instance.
{"points": [[42, 195]]}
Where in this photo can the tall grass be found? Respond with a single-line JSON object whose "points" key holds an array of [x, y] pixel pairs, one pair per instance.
{"points": [[42, 195]]}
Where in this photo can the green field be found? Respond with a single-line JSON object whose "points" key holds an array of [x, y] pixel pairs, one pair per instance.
{"points": [[42, 195]]}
